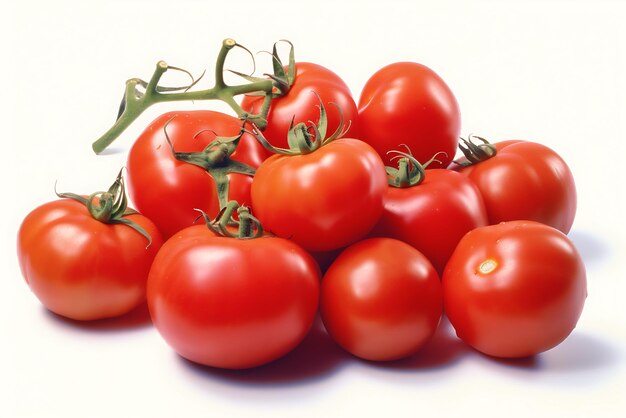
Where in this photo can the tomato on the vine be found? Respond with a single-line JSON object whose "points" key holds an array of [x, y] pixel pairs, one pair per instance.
{"points": [[323, 200], [523, 180], [408, 103], [168, 190], [514, 289], [429, 209], [301, 103], [87, 258], [381, 299], [230, 302]]}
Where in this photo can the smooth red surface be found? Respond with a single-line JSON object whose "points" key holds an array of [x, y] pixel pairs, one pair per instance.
{"points": [[381, 299], [167, 190], [232, 303], [525, 299], [408, 103], [526, 181], [81, 268], [433, 215], [324, 200], [302, 104]]}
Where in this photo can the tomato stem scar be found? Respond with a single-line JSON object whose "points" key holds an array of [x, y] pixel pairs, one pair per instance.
{"points": [[487, 266]]}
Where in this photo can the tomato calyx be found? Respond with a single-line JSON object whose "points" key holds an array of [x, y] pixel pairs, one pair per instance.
{"points": [[109, 207], [247, 226], [475, 153], [410, 172], [140, 95], [305, 138], [216, 159]]}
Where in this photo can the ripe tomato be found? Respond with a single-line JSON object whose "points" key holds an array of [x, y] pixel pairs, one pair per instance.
{"points": [[381, 299], [301, 102], [168, 190], [514, 289], [433, 215], [408, 103], [526, 181], [232, 303], [82, 268], [323, 200]]}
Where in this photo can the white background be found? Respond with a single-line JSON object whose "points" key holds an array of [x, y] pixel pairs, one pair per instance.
{"points": [[548, 71]]}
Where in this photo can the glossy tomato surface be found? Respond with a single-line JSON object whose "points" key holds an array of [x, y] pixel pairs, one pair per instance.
{"points": [[381, 299], [526, 181], [302, 104], [323, 200], [408, 103], [232, 303], [167, 190], [514, 289], [434, 215], [81, 268]]}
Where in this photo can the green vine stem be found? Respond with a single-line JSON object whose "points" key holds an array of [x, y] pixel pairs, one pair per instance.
{"points": [[139, 94], [475, 153], [410, 172], [305, 138], [215, 159], [248, 226], [109, 207]]}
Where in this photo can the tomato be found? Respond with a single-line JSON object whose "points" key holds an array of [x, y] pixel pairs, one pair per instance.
{"points": [[381, 299], [82, 268], [526, 181], [301, 102], [168, 190], [433, 215], [322, 200], [232, 303], [514, 289], [408, 103]]}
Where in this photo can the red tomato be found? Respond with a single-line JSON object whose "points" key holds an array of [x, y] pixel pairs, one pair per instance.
{"points": [[526, 181], [514, 289], [82, 268], [232, 303], [323, 200], [381, 299], [168, 190], [434, 215], [301, 102], [408, 103]]}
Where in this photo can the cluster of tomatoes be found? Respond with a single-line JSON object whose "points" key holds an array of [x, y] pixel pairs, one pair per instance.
{"points": [[355, 211]]}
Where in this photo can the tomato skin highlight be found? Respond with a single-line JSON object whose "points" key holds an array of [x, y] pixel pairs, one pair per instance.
{"points": [[81, 268], [408, 103], [381, 299], [323, 200], [526, 181], [232, 303], [514, 289], [434, 215], [167, 190], [302, 104]]}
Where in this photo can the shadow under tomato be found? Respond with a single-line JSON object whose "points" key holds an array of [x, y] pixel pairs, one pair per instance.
{"points": [[578, 353], [316, 357], [581, 352], [135, 319], [523, 363], [442, 350], [591, 248]]}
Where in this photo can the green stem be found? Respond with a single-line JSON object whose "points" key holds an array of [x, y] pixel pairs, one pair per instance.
{"points": [[136, 102], [110, 207], [410, 172]]}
